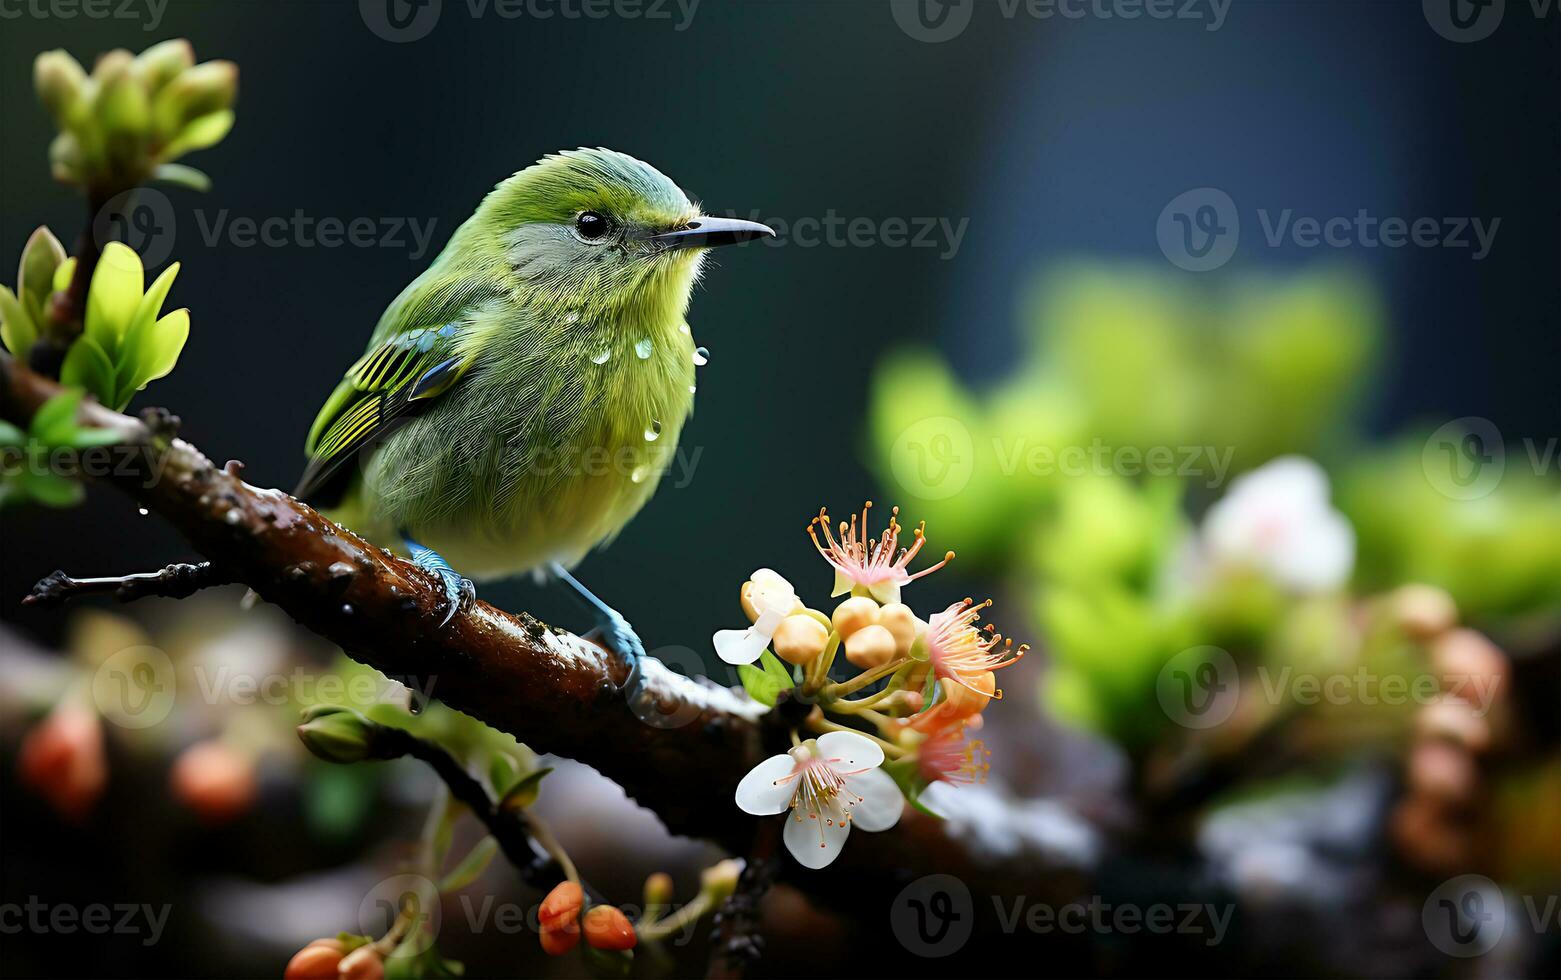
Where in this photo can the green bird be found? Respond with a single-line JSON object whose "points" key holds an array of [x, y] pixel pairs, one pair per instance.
{"points": [[519, 401]]}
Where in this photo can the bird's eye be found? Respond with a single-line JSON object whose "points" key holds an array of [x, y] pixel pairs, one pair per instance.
{"points": [[592, 226]]}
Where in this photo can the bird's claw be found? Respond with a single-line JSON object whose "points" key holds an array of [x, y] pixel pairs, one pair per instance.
{"points": [[459, 594], [619, 637]]}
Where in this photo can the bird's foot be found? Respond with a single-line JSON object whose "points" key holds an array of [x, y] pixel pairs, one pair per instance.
{"points": [[459, 592], [619, 637]]}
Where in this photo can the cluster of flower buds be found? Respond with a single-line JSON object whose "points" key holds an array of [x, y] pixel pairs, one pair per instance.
{"points": [[564, 918], [919, 686], [337, 958], [1434, 824], [134, 115]]}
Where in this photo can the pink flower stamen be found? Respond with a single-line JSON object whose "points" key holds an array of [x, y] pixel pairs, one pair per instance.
{"points": [[864, 561], [951, 758], [959, 650]]}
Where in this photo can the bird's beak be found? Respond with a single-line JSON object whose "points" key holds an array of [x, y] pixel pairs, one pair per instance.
{"points": [[703, 232]]}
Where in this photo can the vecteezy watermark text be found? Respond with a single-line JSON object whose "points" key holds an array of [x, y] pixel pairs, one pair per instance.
{"points": [[935, 21], [1199, 230], [401, 21], [97, 919], [148, 12], [833, 230]]}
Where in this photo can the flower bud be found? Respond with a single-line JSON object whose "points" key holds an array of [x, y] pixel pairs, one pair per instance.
{"points": [[316, 961], [363, 963], [869, 647], [161, 63], [337, 734], [898, 619], [62, 760], [1465, 660], [559, 918], [196, 92], [1441, 771], [720, 879], [1455, 720], [562, 905], [658, 889], [964, 701], [853, 614], [59, 79], [1424, 611], [215, 780], [606, 927], [799, 639], [764, 589]]}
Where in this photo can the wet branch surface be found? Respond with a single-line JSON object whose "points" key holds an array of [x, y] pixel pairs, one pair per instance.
{"points": [[680, 755]]}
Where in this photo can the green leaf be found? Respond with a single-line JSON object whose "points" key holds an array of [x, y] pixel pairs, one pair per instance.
{"points": [[208, 130], [606, 964], [503, 770], [52, 490], [179, 175], [774, 668], [151, 352], [471, 866], [17, 330], [87, 366], [64, 274], [929, 691], [118, 282], [55, 422], [10, 435], [42, 254], [525, 792], [765, 682]]}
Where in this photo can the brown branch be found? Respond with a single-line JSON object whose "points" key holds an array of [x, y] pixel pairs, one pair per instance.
{"points": [[681, 757]]}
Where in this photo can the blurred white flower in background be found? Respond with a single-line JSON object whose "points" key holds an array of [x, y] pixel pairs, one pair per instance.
{"points": [[1278, 520]]}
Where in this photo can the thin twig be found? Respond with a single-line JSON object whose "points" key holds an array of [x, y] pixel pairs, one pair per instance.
{"points": [[176, 581]]}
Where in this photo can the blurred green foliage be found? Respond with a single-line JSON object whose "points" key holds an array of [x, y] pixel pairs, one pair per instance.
{"points": [[1221, 378]]}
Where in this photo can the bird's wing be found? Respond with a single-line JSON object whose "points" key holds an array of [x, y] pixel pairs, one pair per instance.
{"points": [[397, 378]]}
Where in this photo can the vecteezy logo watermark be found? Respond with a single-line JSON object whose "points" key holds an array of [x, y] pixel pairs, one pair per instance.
{"points": [[936, 21], [409, 897], [136, 687], [1465, 459], [934, 458], [1465, 916], [145, 220], [1464, 20], [148, 12], [96, 919], [676, 712], [1199, 230], [1199, 687], [933, 916], [400, 21], [142, 218]]}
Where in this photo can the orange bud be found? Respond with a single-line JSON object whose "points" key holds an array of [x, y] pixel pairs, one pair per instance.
{"points": [[608, 928], [362, 963], [315, 961], [562, 904], [557, 942], [559, 917], [62, 760], [215, 780]]}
